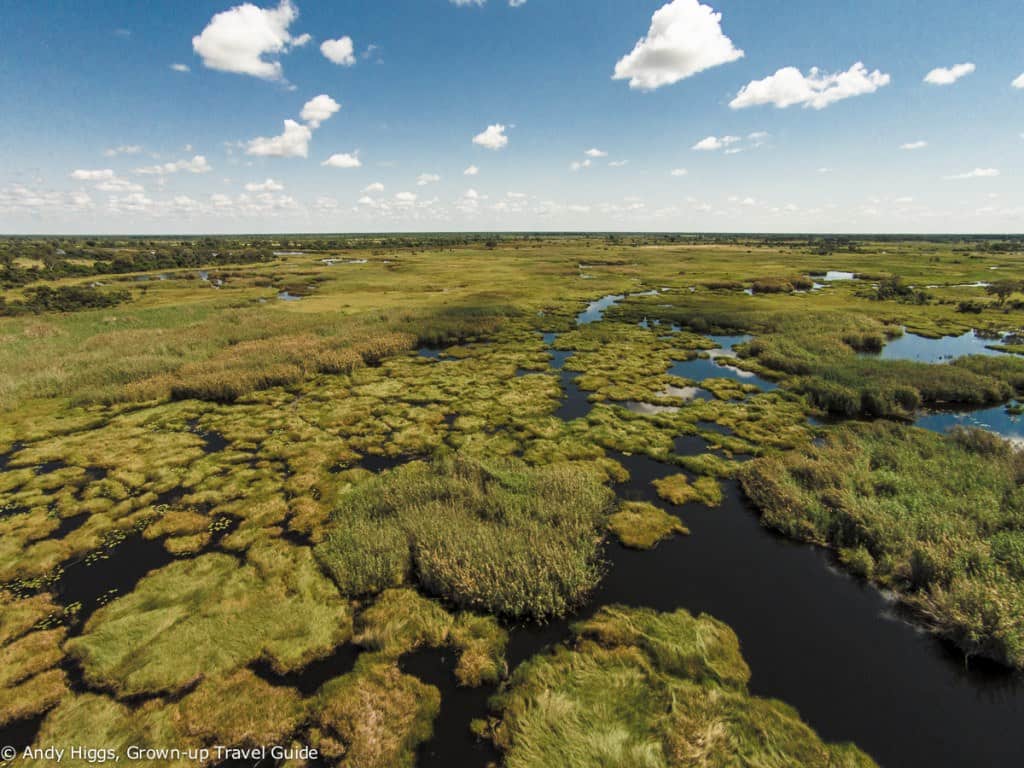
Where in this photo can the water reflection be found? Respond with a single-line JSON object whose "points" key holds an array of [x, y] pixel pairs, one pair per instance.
{"points": [[910, 346]]}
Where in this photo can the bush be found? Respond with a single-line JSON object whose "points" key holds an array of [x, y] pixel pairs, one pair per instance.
{"points": [[64, 299]]}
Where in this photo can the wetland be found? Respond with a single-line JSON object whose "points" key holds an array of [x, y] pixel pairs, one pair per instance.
{"points": [[453, 505]]}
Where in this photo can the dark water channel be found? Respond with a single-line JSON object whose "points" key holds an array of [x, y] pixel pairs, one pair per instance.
{"points": [[847, 657]]}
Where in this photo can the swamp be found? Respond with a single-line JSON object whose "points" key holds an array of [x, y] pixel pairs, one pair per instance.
{"points": [[520, 501]]}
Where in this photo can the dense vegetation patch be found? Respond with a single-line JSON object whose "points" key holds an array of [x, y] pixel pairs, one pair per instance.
{"points": [[210, 616], [680, 699], [489, 534], [938, 519], [62, 299], [640, 525]]}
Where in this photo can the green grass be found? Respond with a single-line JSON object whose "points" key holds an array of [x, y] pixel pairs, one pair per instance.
{"points": [[937, 519], [680, 699], [493, 535], [210, 616], [640, 525]]}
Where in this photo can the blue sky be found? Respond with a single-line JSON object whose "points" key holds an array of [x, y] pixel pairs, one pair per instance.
{"points": [[98, 133]]}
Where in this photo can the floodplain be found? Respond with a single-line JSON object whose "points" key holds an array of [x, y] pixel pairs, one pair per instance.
{"points": [[588, 500]]}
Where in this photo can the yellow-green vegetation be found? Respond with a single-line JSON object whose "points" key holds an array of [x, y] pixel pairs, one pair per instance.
{"points": [[211, 616], [30, 682], [678, 490], [310, 480], [486, 534], [375, 716], [936, 518], [402, 621], [680, 699], [640, 525], [240, 709]]}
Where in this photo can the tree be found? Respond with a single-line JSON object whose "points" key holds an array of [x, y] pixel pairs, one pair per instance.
{"points": [[1003, 289]]}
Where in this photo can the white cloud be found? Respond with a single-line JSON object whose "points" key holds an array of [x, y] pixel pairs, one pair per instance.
{"points": [[319, 109], [679, 172], [294, 142], [471, 171], [197, 164], [116, 185], [492, 138], [949, 75], [340, 51], [576, 165], [267, 186], [180, 67], [1019, 82], [713, 143], [375, 187], [912, 145], [788, 87], [685, 38], [463, 3], [618, 163], [977, 173], [241, 38], [516, 3], [98, 175], [406, 198], [124, 149], [595, 153], [427, 178], [824, 170], [343, 160]]}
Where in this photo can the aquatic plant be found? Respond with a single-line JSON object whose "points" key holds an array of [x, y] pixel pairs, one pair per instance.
{"points": [[640, 525], [680, 700], [493, 535], [935, 518]]}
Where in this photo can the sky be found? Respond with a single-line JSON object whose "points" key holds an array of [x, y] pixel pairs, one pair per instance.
{"points": [[209, 116]]}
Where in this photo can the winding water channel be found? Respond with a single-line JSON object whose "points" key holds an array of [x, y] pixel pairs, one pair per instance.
{"points": [[830, 645]]}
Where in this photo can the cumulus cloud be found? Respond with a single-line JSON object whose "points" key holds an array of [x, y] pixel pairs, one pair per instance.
{"points": [[427, 178], [471, 171], [343, 160], [949, 75], [294, 142], [180, 67], [685, 38], [197, 164], [492, 138], [245, 39], [817, 90], [267, 186], [618, 163], [464, 3], [595, 153], [375, 187], [89, 175], [977, 173], [576, 165], [679, 172], [1019, 82], [406, 198], [714, 143], [340, 51], [910, 146], [319, 109]]}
